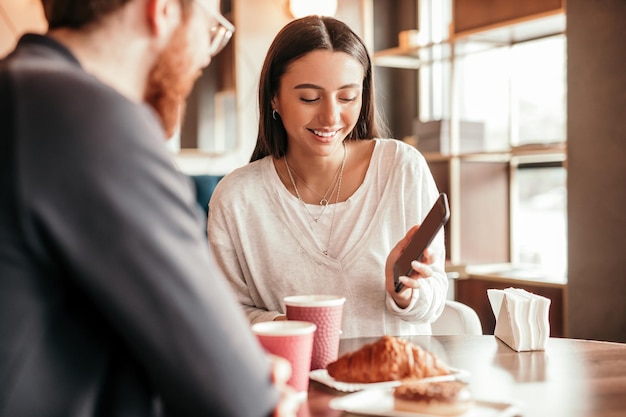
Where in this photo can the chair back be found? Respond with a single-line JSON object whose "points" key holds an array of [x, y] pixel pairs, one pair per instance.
{"points": [[457, 318]]}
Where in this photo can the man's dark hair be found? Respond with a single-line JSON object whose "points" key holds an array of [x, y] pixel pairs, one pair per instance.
{"points": [[76, 14]]}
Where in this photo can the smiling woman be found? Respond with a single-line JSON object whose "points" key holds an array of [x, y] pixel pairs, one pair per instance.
{"points": [[326, 196], [317, 115]]}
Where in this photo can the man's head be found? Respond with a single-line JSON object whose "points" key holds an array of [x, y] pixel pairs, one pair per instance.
{"points": [[193, 44], [191, 41]]}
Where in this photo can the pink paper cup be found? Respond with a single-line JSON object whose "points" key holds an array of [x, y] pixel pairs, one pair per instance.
{"points": [[326, 312], [293, 340]]}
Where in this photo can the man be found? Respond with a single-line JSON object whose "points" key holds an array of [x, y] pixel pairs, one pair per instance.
{"points": [[110, 301]]}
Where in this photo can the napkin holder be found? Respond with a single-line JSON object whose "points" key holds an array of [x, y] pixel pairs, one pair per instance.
{"points": [[521, 318]]}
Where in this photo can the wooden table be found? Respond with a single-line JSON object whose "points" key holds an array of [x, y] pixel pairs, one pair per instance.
{"points": [[572, 377]]}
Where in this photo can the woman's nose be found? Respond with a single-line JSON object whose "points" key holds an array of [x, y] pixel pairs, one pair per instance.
{"points": [[330, 113]]}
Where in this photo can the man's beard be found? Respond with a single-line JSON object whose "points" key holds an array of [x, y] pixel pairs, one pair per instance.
{"points": [[171, 79]]}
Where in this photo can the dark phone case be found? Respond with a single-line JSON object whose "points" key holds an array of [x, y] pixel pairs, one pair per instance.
{"points": [[436, 218]]}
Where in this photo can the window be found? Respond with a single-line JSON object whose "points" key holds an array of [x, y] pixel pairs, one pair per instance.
{"points": [[539, 219], [514, 96], [539, 87]]}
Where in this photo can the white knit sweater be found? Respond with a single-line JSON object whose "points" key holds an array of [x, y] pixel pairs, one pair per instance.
{"points": [[270, 248]]}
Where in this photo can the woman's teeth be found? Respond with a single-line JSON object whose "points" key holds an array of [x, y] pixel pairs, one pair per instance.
{"points": [[325, 134]]}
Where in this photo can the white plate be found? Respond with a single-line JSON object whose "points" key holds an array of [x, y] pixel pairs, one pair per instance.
{"points": [[321, 375], [380, 403]]}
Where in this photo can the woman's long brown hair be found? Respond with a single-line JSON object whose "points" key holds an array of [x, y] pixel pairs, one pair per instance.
{"points": [[295, 40]]}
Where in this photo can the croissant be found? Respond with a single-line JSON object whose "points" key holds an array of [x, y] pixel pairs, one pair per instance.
{"points": [[387, 359]]}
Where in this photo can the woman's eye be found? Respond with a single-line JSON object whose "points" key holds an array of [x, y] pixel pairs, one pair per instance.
{"points": [[308, 100], [348, 99]]}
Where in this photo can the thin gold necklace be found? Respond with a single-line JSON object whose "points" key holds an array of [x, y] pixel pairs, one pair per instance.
{"points": [[332, 220], [295, 187], [324, 198]]}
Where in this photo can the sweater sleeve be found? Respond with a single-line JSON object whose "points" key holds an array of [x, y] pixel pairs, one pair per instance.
{"points": [[226, 243], [415, 179]]}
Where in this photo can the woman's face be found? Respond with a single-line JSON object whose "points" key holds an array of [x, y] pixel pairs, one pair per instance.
{"points": [[319, 100]]}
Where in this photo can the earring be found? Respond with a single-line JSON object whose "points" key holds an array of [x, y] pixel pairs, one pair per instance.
{"points": [[274, 112]]}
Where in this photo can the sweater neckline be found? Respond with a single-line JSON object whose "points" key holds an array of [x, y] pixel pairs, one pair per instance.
{"points": [[281, 193]]}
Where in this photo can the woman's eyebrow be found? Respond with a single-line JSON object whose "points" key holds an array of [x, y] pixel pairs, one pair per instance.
{"points": [[317, 87]]}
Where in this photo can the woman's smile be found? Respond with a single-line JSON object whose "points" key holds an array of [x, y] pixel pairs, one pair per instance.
{"points": [[328, 134]]}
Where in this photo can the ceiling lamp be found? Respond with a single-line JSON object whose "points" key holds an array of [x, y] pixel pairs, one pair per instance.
{"points": [[301, 8]]}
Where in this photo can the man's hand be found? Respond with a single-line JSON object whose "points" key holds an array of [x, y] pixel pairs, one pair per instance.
{"points": [[289, 401]]}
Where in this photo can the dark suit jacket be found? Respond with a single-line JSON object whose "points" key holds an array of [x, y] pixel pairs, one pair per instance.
{"points": [[111, 303]]}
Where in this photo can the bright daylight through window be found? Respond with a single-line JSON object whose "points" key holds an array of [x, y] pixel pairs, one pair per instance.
{"points": [[516, 95]]}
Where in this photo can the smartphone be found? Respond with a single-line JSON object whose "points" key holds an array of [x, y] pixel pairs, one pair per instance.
{"points": [[436, 218]]}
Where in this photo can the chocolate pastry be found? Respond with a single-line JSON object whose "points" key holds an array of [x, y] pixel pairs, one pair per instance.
{"points": [[445, 398]]}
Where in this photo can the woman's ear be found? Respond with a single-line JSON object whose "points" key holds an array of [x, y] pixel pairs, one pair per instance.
{"points": [[163, 16]]}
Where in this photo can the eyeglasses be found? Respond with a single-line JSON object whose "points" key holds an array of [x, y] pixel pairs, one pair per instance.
{"points": [[220, 32]]}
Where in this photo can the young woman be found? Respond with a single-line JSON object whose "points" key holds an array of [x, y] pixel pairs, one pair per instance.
{"points": [[321, 205]]}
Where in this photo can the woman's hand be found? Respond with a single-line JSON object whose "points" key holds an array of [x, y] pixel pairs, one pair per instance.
{"points": [[421, 270], [289, 401]]}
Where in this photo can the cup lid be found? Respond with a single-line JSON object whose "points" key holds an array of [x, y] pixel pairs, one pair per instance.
{"points": [[283, 328], [314, 300]]}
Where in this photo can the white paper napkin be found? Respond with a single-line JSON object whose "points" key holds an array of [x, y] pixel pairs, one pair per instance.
{"points": [[521, 318]]}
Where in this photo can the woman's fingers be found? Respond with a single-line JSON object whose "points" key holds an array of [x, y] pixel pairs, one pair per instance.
{"points": [[394, 254], [420, 271], [427, 257]]}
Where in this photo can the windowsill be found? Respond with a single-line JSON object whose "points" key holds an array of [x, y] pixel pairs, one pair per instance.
{"points": [[507, 272]]}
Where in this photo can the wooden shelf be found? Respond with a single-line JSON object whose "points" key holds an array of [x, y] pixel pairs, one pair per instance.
{"points": [[524, 154], [526, 29], [474, 41], [418, 56], [481, 16]]}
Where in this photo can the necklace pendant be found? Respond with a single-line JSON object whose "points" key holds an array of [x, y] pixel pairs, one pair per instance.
{"points": [[323, 202]]}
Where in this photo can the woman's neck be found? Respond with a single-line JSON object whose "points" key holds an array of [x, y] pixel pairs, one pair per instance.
{"points": [[316, 172]]}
